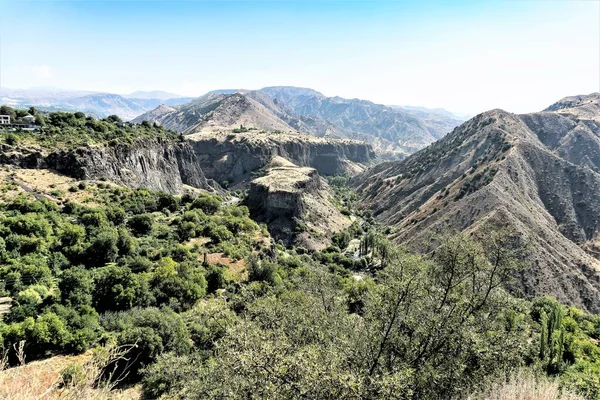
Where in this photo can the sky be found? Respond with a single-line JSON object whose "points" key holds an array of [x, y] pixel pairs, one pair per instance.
{"points": [[464, 56]]}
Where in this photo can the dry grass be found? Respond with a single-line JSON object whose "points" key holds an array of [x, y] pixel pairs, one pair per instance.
{"points": [[32, 380], [236, 269], [43, 182], [199, 241], [525, 385], [43, 379], [5, 304]]}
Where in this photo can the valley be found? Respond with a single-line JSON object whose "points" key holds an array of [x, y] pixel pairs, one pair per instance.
{"points": [[299, 200], [217, 231]]}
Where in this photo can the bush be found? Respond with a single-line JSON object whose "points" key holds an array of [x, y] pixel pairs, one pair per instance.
{"points": [[207, 203], [103, 248], [11, 139], [141, 224], [219, 234], [152, 331]]}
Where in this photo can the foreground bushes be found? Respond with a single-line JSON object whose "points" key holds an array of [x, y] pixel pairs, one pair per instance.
{"points": [[324, 325]]}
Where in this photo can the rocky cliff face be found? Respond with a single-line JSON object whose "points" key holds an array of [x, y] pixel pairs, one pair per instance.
{"points": [[235, 158], [535, 173], [295, 204], [155, 164]]}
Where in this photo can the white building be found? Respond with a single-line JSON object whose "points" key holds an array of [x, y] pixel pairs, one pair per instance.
{"points": [[4, 119], [28, 119]]}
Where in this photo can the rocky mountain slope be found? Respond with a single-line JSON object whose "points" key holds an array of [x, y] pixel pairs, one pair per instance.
{"points": [[288, 109], [214, 112], [537, 174], [295, 204]]}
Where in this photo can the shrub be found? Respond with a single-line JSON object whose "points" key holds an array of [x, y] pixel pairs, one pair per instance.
{"points": [[207, 203], [141, 224], [11, 139], [219, 234]]}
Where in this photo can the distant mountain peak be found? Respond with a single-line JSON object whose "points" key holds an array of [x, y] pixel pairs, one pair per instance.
{"points": [[584, 106]]}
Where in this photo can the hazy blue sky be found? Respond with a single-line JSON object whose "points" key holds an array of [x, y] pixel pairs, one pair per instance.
{"points": [[468, 56]]}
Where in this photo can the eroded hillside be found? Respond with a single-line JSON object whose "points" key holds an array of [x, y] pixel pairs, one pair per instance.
{"points": [[295, 203], [536, 173]]}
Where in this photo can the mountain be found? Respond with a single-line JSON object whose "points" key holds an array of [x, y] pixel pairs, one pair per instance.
{"points": [[391, 131], [97, 104], [583, 106], [538, 174], [440, 111], [217, 112], [237, 158], [295, 203]]}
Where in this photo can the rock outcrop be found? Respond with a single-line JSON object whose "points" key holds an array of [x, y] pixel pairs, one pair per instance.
{"points": [[154, 164], [295, 204], [537, 174], [233, 159]]}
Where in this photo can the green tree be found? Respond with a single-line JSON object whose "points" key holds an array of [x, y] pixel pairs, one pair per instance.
{"points": [[76, 287], [207, 203], [103, 248], [141, 224]]}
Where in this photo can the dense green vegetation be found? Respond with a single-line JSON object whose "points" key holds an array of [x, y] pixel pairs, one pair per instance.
{"points": [[68, 130], [297, 330], [361, 319], [302, 325], [122, 271]]}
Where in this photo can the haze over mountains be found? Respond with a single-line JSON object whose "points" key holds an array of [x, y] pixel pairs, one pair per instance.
{"points": [[538, 174], [98, 104], [391, 130]]}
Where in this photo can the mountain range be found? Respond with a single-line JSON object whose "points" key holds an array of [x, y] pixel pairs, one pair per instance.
{"points": [[98, 104], [537, 174], [391, 130]]}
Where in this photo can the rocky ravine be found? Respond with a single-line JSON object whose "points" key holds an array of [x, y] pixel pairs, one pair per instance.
{"points": [[536, 173], [295, 204], [290, 196], [169, 165]]}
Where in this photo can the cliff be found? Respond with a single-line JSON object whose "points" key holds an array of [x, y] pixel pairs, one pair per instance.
{"points": [[234, 158], [295, 204], [155, 164]]}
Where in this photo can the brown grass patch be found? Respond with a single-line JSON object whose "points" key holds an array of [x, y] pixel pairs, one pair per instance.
{"points": [[41, 380], [525, 385], [200, 241], [43, 182], [236, 269], [35, 379]]}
